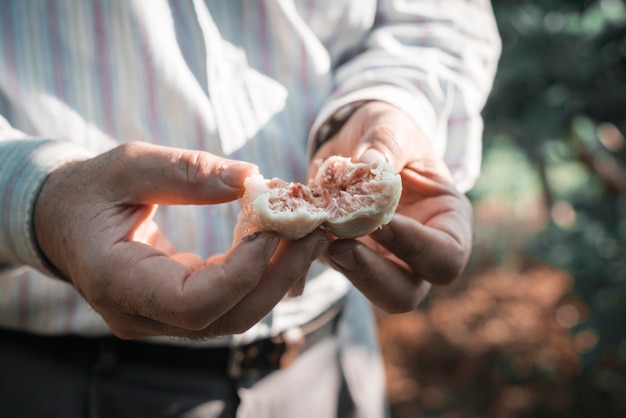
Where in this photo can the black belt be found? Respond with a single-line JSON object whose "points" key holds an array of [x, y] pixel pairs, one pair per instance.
{"points": [[245, 361]]}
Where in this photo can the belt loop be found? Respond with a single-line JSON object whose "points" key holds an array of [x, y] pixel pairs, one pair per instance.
{"points": [[105, 363], [294, 340], [235, 358], [249, 361]]}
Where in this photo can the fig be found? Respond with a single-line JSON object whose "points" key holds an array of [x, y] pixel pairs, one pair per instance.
{"points": [[349, 199]]}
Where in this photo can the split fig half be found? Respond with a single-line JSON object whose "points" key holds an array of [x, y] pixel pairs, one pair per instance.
{"points": [[349, 199]]}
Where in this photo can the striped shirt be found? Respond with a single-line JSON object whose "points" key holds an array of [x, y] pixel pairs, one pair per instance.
{"points": [[250, 80]]}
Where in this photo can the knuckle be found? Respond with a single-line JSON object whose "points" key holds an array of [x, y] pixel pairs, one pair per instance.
{"points": [[450, 266], [410, 300], [122, 326], [130, 149], [441, 264], [384, 133], [449, 272], [232, 324], [447, 269], [193, 323], [414, 253], [120, 161], [241, 285], [124, 333], [192, 167], [218, 328], [240, 323], [406, 303], [386, 141], [191, 319], [127, 154]]}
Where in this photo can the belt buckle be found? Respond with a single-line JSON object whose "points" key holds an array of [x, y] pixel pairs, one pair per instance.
{"points": [[278, 353], [242, 359]]}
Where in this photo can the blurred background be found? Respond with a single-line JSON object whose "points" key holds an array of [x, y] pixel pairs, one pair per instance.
{"points": [[537, 325]]}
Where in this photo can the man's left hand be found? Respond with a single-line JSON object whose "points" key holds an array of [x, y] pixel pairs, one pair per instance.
{"points": [[429, 238]]}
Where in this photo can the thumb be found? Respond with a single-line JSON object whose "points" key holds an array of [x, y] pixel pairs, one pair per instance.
{"points": [[150, 174], [390, 136], [375, 147]]}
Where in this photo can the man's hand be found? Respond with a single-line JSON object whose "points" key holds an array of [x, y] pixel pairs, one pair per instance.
{"points": [[93, 221], [429, 239]]}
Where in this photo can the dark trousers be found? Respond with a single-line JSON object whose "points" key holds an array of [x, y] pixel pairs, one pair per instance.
{"points": [[69, 377]]}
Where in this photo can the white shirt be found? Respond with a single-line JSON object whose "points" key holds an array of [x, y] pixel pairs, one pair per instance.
{"points": [[250, 80]]}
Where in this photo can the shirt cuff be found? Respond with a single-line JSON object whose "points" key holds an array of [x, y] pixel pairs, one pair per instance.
{"points": [[24, 166], [338, 110]]}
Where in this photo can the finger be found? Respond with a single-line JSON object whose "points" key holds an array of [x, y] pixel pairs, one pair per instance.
{"points": [[387, 284], [382, 144], [180, 295], [297, 288], [248, 311], [148, 232], [438, 252], [287, 267], [129, 327], [150, 174]]}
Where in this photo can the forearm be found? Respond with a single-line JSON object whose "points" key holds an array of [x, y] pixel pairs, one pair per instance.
{"points": [[24, 165]]}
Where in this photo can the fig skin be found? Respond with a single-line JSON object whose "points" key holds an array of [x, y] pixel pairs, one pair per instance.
{"points": [[348, 199]]}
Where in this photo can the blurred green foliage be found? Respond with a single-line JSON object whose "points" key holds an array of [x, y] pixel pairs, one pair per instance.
{"points": [[552, 191], [556, 117]]}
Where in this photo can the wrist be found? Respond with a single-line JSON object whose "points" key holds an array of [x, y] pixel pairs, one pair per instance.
{"points": [[24, 166], [50, 214]]}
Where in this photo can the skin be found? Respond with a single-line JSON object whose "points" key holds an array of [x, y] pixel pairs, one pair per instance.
{"points": [[429, 239], [103, 239]]}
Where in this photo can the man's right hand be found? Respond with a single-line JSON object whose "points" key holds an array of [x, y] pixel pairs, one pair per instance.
{"points": [[93, 221]]}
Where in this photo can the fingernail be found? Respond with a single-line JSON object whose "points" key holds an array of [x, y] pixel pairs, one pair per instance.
{"points": [[372, 156], [346, 260], [271, 242], [234, 173], [251, 237]]}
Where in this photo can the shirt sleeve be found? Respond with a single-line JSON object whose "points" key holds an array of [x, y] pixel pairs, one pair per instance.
{"points": [[435, 60], [25, 162]]}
